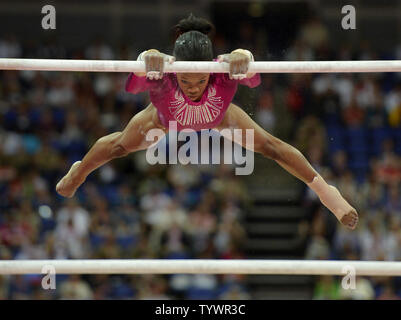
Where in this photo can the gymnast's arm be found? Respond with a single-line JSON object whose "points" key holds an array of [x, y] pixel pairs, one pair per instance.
{"points": [[250, 57], [141, 81], [239, 63], [154, 63], [141, 57]]}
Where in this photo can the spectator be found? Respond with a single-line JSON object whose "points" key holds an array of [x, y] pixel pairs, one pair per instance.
{"points": [[265, 114], [363, 290], [318, 247], [372, 241], [72, 213], [202, 224], [393, 105], [388, 293], [314, 33], [388, 168], [74, 288], [327, 288], [10, 47]]}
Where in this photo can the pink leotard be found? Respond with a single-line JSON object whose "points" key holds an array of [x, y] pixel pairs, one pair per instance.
{"points": [[173, 105]]}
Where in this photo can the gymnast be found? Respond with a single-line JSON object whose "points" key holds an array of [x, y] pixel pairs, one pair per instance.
{"points": [[199, 101]]}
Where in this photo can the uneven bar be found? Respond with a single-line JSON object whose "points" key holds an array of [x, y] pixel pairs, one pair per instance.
{"points": [[201, 66], [195, 266]]}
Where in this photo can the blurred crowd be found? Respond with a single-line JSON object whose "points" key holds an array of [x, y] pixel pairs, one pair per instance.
{"points": [[347, 125]]}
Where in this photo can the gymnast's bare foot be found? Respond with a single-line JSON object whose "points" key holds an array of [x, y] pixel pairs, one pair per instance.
{"points": [[69, 183], [350, 220]]}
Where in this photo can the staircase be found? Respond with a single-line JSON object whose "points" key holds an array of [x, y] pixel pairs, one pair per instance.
{"points": [[272, 225]]}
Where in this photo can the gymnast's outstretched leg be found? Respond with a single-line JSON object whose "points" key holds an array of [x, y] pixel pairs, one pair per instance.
{"points": [[115, 145], [293, 161]]}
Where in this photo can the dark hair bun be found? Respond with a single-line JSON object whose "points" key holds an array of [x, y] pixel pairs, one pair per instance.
{"points": [[193, 23]]}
